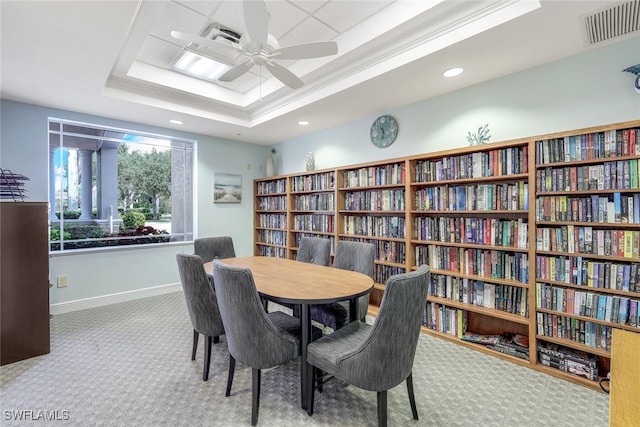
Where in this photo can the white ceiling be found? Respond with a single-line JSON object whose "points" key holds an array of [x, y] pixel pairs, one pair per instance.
{"points": [[113, 58]]}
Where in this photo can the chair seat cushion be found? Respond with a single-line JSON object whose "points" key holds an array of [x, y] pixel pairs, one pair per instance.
{"points": [[328, 350], [334, 315], [290, 325]]}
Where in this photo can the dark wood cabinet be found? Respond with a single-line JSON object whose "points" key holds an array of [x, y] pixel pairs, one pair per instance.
{"points": [[24, 281]]}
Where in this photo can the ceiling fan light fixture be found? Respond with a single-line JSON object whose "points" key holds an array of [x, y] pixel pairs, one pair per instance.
{"points": [[196, 65], [453, 72]]}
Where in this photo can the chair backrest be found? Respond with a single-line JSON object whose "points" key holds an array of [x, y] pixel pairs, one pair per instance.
{"points": [[251, 336], [385, 358], [199, 295], [356, 256], [314, 250], [209, 248]]}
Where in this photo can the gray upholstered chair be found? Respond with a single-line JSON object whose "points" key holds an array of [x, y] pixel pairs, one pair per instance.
{"points": [[209, 248], [377, 357], [355, 256], [201, 304], [314, 250], [255, 338]]}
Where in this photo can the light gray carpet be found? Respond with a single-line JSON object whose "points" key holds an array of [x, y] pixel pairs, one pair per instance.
{"points": [[129, 364]]}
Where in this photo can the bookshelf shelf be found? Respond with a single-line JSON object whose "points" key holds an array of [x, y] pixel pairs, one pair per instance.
{"points": [[497, 215]]}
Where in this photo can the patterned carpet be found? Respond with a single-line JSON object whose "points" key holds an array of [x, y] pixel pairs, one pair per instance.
{"points": [[129, 364]]}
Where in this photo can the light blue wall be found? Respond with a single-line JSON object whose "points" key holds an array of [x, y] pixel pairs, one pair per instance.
{"points": [[582, 91], [586, 90], [24, 149]]}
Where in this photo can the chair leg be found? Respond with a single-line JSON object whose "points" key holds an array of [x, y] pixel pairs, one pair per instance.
{"points": [[232, 370], [196, 335], [207, 359], [265, 304], [382, 409], [412, 399], [255, 403]]}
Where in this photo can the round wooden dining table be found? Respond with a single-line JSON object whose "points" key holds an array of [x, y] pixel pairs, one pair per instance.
{"points": [[304, 284]]}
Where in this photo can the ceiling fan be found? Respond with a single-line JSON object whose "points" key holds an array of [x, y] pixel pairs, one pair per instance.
{"points": [[261, 48]]}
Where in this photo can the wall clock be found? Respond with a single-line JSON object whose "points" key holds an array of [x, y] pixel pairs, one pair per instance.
{"points": [[384, 131]]}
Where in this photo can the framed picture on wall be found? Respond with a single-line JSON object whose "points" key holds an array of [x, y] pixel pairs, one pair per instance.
{"points": [[227, 188]]}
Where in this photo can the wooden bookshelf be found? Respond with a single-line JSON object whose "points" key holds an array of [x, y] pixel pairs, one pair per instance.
{"points": [[492, 223], [312, 207], [587, 247]]}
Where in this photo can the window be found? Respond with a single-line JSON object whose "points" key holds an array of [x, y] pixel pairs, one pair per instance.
{"points": [[111, 187]]}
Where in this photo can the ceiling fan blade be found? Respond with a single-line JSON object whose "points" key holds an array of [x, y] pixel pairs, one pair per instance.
{"points": [[236, 72], [202, 41], [285, 76], [256, 19], [306, 50]]}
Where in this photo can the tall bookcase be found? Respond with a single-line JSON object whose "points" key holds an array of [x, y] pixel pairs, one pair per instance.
{"points": [[469, 222], [371, 208], [587, 249], [538, 237], [312, 206], [271, 217]]}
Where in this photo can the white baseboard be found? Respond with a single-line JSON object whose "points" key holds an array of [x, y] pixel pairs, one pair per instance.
{"points": [[81, 304]]}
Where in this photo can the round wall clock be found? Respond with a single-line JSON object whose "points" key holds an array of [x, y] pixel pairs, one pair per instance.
{"points": [[384, 131]]}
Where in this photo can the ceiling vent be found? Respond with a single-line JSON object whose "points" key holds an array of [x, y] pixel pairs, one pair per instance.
{"points": [[221, 33], [611, 23]]}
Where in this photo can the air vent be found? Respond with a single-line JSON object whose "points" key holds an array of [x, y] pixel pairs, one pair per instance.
{"points": [[215, 30], [611, 23]]}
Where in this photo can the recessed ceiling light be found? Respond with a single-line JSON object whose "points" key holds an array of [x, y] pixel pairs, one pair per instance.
{"points": [[176, 122], [452, 72], [303, 122]]}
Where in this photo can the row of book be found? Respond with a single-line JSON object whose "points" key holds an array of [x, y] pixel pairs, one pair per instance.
{"points": [[586, 240], [510, 299], [500, 162], [477, 262], [614, 208], [375, 226], [598, 145], [314, 202], [314, 182], [273, 251], [375, 175], [313, 222], [579, 271], [568, 360], [508, 343], [610, 175], [609, 308], [591, 334], [272, 221], [391, 251], [272, 187], [480, 231], [375, 200], [445, 319], [273, 203], [479, 197], [298, 236], [382, 272], [273, 237]]}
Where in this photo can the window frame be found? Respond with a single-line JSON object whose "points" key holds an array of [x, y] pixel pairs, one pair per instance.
{"points": [[182, 198]]}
